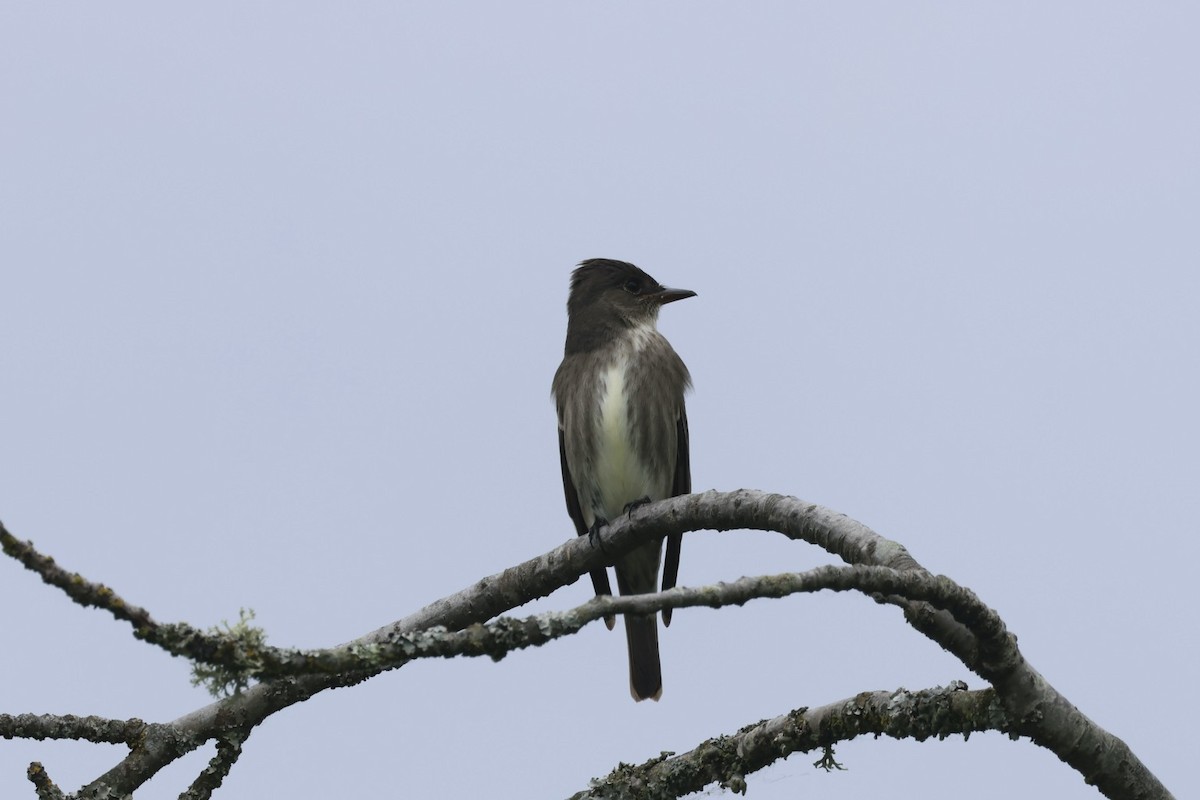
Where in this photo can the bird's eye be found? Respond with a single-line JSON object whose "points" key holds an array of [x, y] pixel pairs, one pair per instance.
{"points": [[633, 287]]}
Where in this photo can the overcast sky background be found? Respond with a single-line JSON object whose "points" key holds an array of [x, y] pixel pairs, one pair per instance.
{"points": [[282, 290]]}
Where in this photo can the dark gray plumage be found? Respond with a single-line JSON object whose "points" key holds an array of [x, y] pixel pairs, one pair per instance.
{"points": [[622, 431]]}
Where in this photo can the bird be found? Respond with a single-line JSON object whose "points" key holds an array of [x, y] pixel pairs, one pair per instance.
{"points": [[623, 433]]}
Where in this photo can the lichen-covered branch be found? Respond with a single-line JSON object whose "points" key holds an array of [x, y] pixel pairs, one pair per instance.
{"points": [[79, 589], [504, 635], [178, 639], [69, 726], [947, 614], [229, 749], [727, 760], [45, 788]]}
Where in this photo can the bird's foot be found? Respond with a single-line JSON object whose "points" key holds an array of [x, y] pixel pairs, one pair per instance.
{"points": [[594, 534], [629, 507]]}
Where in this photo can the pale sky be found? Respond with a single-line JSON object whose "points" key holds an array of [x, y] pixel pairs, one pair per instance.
{"points": [[283, 288]]}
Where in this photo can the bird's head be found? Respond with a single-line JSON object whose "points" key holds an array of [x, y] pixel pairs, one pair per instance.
{"points": [[606, 292]]}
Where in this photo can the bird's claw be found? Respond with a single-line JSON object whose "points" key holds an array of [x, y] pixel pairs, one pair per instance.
{"points": [[641, 501], [594, 534]]}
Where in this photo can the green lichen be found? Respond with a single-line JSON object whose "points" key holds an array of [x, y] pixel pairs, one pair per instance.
{"points": [[246, 642]]}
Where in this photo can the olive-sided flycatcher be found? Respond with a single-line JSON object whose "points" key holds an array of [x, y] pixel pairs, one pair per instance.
{"points": [[622, 432]]}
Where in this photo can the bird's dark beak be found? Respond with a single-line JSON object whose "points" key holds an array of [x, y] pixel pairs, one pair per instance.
{"points": [[666, 294]]}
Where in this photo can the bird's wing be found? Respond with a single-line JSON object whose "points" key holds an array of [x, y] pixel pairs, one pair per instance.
{"points": [[599, 576], [681, 484]]}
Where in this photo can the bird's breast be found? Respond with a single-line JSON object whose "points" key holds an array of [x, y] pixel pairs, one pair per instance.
{"points": [[620, 475]]}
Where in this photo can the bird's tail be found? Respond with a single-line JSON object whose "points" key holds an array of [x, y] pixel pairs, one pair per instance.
{"points": [[645, 671]]}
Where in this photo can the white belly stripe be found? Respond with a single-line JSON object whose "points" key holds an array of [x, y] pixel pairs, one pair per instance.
{"points": [[619, 473]]}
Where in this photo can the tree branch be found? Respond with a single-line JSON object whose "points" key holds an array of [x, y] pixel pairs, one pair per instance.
{"points": [[1039, 710], [69, 726], [728, 759], [178, 639], [229, 749], [42, 785]]}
